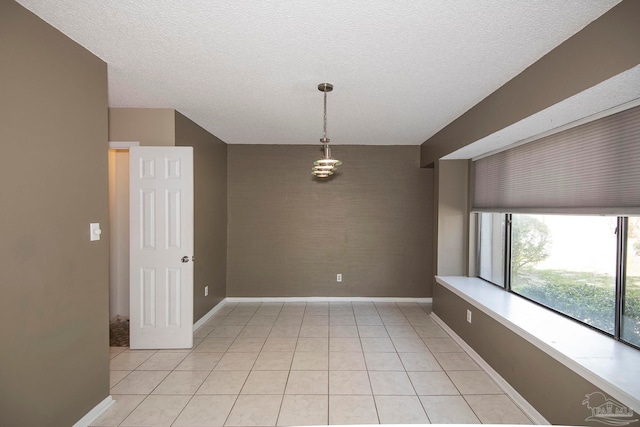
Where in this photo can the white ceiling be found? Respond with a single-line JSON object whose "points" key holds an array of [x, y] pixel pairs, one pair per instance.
{"points": [[247, 71]]}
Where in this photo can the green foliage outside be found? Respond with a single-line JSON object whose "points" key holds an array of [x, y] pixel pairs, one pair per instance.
{"points": [[588, 297], [585, 296], [529, 243]]}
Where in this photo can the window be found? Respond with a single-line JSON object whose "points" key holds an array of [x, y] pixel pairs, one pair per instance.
{"points": [[585, 267], [491, 240], [567, 263]]}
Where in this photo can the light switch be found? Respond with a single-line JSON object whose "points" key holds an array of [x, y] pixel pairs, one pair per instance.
{"points": [[94, 231]]}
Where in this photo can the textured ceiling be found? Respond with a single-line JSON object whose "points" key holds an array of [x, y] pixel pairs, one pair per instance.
{"points": [[247, 71]]}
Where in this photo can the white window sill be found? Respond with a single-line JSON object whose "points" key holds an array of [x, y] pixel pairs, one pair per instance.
{"points": [[610, 365]]}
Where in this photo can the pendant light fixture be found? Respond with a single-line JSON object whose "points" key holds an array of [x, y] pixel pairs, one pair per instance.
{"points": [[326, 165]]}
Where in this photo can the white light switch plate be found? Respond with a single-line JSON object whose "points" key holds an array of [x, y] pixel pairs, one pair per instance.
{"points": [[94, 231]]}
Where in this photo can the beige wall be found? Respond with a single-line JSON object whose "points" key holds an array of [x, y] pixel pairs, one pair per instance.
{"points": [[210, 212], [553, 389], [606, 47], [451, 234], [290, 234], [148, 126], [54, 362]]}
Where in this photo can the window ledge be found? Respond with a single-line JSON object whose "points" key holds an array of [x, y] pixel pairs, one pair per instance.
{"points": [[607, 363]]}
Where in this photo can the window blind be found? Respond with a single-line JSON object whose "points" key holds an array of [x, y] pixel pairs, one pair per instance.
{"points": [[593, 168]]}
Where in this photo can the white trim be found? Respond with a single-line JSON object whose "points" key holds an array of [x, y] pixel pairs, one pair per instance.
{"points": [[626, 355], [210, 313], [122, 145], [522, 403], [328, 299], [93, 414]]}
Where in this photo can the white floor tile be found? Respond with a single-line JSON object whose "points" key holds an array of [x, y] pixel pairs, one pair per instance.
{"points": [[400, 410], [258, 364], [346, 361], [223, 382], [391, 383], [496, 409], [312, 344], [156, 411], [308, 382], [199, 362], [474, 382], [310, 361], [301, 410], [456, 362], [432, 384], [236, 362], [252, 410], [273, 361], [383, 362], [265, 382], [206, 411], [349, 382], [140, 382], [181, 382], [162, 361], [448, 410], [122, 407], [352, 410]]}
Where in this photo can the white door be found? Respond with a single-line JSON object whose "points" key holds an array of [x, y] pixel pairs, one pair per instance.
{"points": [[161, 258]]}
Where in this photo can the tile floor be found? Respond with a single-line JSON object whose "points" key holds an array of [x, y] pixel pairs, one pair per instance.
{"points": [[293, 364]]}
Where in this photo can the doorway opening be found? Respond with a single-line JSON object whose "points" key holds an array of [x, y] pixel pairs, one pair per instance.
{"points": [[119, 248]]}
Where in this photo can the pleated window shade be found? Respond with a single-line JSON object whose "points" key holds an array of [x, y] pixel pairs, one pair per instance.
{"points": [[593, 168]]}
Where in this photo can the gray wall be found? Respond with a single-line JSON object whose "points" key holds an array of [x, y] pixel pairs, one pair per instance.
{"points": [[290, 234], [54, 362], [553, 389], [606, 47], [210, 212]]}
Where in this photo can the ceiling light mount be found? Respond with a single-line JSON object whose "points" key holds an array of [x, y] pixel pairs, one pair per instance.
{"points": [[326, 165]]}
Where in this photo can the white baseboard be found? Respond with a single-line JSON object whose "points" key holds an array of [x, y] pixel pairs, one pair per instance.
{"points": [[207, 316], [522, 403], [328, 299], [93, 414]]}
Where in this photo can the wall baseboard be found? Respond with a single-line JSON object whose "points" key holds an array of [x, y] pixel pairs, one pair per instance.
{"points": [[93, 414], [328, 299], [520, 401], [207, 316]]}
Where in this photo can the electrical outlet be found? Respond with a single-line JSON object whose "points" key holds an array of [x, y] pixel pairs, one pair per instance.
{"points": [[339, 277], [206, 291], [469, 316]]}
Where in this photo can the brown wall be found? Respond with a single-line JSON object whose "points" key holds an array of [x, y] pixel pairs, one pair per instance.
{"points": [[148, 126], [451, 233], [606, 47], [290, 234], [54, 362], [553, 389], [210, 211]]}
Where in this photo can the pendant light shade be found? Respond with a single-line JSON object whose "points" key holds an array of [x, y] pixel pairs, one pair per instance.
{"points": [[325, 166]]}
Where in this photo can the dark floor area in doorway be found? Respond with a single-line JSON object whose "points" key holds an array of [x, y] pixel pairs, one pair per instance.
{"points": [[119, 333]]}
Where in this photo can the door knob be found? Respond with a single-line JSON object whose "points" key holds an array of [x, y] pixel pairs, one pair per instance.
{"points": [[185, 259]]}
